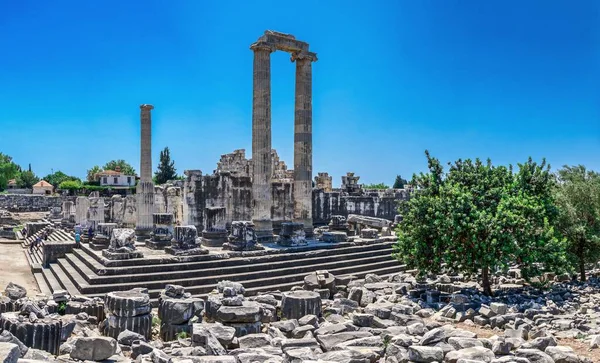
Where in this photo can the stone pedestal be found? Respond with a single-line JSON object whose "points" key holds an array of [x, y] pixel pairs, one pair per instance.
{"points": [[102, 234], [368, 233], [243, 237], [292, 234], [162, 235], [214, 237], [127, 310], [185, 242], [334, 237], [122, 245]]}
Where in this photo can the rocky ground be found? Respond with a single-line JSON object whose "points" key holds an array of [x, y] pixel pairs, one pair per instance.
{"points": [[330, 319], [14, 268]]}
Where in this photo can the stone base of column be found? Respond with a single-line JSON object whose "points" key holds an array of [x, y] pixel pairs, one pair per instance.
{"points": [[142, 234], [309, 230], [264, 231]]}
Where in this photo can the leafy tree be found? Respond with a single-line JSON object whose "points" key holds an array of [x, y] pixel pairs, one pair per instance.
{"points": [[91, 173], [8, 170], [166, 168], [123, 166], [70, 185], [578, 199], [399, 182], [58, 177], [479, 217], [375, 186], [27, 179]]}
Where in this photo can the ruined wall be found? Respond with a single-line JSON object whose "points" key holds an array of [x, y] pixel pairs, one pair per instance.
{"points": [[230, 191], [30, 203], [381, 204]]}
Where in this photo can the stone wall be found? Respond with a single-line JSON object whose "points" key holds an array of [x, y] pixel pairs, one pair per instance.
{"points": [[381, 204], [30, 203]]}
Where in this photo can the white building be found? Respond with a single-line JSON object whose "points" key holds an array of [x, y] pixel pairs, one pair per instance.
{"points": [[113, 178], [42, 187]]}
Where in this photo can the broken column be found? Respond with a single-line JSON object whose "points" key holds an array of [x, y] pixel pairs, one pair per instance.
{"points": [[299, 303], [193, 200], [34, 327], [215, 232], [185, 242], [127, 310], [243, 237], [303, 140], [231, 309], [162, 233], [178, 311], [261, 141], [145, 187]]}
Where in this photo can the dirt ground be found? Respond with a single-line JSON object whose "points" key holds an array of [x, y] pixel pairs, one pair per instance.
{"points": [[14, 268]]}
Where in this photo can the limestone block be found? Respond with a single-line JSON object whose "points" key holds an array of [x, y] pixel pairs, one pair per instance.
{"points": [[114, 325], [368, 233], [249, 312], [93, 348], [9, 353], [179, 311]]}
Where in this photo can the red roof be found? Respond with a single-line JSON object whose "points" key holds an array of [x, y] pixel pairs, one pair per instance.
{"points": [[43, 183]]}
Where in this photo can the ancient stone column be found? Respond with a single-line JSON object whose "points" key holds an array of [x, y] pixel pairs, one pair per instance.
{"points": [[145, 187], [303, 141], [261, 141]]}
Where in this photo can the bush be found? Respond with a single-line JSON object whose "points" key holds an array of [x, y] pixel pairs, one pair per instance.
{"points": [[69, 185]]}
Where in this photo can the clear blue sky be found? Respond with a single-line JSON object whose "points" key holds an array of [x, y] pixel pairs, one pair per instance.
{"points": [[498, 79]]}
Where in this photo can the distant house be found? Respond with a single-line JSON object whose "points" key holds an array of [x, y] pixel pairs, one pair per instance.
{"points": [[12, 184], [42, 187], [114, 178]]}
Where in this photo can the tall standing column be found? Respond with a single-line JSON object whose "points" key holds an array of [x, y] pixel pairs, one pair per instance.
{"points": [[145, 187], [261, 142], [303, 141]]}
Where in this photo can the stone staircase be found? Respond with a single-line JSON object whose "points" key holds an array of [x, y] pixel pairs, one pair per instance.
{"points": [[86, 272]]}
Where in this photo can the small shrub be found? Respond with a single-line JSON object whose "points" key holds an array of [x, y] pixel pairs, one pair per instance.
{"points": [[182, 335], [62, 307], [155, 321]]}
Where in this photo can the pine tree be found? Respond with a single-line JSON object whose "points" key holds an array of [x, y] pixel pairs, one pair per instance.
{"points": [[399, 182], [166, 168]]}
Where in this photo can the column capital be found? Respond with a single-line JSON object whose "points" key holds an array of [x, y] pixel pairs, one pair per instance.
{"points": [[310, 56], [146, 107], [262, 45]]}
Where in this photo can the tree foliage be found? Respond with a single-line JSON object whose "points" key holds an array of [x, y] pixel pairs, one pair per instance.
{"points": [[166, 168], [123, 166], [479, 217], [399, 182], [27, 179], [70, 185], [375, 186], [91, 173], [8, 170], [578, 199], [58, 177]]}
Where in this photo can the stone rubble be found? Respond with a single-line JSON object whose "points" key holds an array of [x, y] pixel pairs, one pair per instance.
{"points": [[393, 319]]}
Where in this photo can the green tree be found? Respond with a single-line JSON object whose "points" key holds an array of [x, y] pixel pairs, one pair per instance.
{"points": [[578, 199], [166, 168], [123, 166], [399, 182], [8, 170], [70, 185], [479, 217], [375, 186], [58, 177], [27, 179], [91, 173]]}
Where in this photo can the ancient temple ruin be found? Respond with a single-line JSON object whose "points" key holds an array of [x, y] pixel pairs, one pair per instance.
{"points": [[261, 131]]}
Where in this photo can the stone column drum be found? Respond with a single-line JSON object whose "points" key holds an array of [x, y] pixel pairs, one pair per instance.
{"points": [[145, 187], [303, 141], [261, 141]]}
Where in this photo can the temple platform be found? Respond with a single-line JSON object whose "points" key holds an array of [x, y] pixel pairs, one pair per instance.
{"points": [[85, 271]]}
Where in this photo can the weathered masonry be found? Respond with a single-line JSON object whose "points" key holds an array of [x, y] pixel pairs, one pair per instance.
{"points": [[261, 131]]}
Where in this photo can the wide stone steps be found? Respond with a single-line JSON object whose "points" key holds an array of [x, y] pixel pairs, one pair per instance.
{"points": [[211, 277], [98, 275], [82, 273]]}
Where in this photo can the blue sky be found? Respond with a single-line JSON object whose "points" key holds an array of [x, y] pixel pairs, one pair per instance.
{"points": [[498, 79]]}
